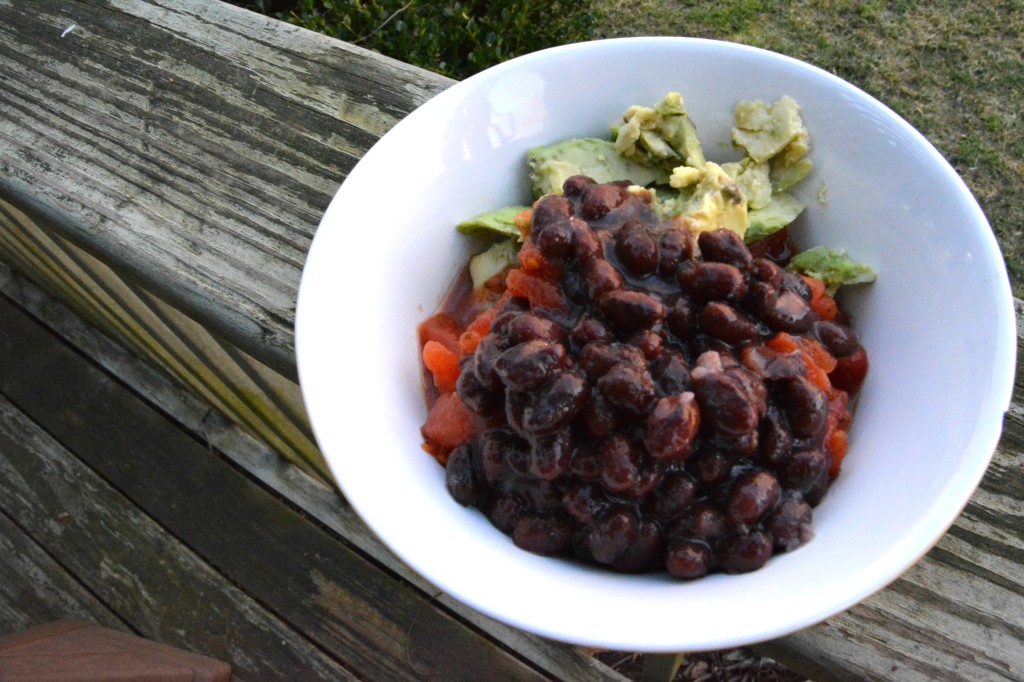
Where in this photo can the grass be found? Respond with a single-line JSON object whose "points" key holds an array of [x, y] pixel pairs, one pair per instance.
{"points": [[954, 70]]}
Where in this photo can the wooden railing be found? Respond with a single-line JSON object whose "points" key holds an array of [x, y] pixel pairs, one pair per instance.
{"points": [[163, 167]]}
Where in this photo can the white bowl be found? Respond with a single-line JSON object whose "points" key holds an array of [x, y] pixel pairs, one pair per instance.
{"points": [[938, 324]]}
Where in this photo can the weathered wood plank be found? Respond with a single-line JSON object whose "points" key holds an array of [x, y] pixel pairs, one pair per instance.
{"points": [[35, 589], [155, 585], [251, 394], [311, 495], [335, 597], [193, 145]]}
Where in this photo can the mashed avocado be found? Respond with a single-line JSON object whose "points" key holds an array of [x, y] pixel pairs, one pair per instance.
{"points": [[551, 165], [658, 148], [659, 137]]}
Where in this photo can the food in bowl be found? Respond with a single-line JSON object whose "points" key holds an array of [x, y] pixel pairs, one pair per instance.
{"points": [[642, 383]]}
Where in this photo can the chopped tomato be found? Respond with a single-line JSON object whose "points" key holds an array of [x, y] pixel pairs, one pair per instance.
{"points": [[443, 364], [821, 302], [443, 328], [449, 424], [539, 290]]}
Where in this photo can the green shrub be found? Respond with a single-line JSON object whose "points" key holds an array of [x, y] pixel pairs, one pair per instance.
{"points": [[456, 39]]}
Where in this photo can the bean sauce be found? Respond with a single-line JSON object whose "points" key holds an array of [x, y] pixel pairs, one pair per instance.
{"points": [[647, 399]]}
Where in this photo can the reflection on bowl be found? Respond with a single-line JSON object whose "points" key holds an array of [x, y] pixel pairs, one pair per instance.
{"points": [[938, 324]]}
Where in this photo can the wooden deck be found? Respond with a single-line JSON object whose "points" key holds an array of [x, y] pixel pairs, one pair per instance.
{"points": [[163, 166]]}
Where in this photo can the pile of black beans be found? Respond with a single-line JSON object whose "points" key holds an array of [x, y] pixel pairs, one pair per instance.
{"points": [[637, 422]]}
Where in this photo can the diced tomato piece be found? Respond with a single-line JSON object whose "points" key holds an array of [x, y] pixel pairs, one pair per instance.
{"points": [[782, 343], [821, 302], [449, 423], [523, 221], [443, 364], [539, 290], [813, 350], [442, 328], [837, 444]]}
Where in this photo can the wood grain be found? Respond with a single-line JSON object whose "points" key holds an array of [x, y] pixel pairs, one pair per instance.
{"points": [[192, 145], [341, 602]]}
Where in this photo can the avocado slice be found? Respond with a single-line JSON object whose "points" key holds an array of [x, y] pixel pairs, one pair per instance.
{"points": [[551, 165], [766, 221], [832, 266], [500, 222]]}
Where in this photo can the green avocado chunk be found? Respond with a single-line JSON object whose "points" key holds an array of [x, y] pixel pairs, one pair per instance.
{"points": [[551, 165], [832, 266], [498, 257], [498, 222], [781, 210]]}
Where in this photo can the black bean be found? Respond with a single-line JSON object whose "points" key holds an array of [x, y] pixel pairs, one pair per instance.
{"points": [[600, 200], [672, 426], [688, 559], [753, 495], [710, 466], [527, 365], [530, 326], [474, 396], [671, 373], [485, 361], [724, 322], [674, 246], [599, 357], [601, 277], [612, 533], [557, 402], [584, 501], [575, 185], [549, 455], [681, 318], [766, 271], [713, 282], [793, 282], [789, 313], [516, 403], [505, 510], [790, 524], [776, 440], [542, 533], [760, 299], [588, 330], [636, 248], [599, 416], [584, 462], [674, 496], [631, 311], [555, 240], [837, 338], [620, 464], [644, 552], [496, 447], [806, 472], [704, 522], [724, 246], [742, 553], [461, 476], [806, 406], [648, 342], [550, 209], [628, 388], [586, 245], [726, 401]]}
